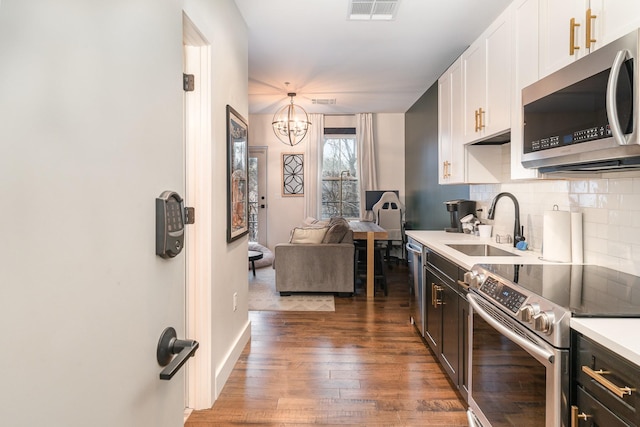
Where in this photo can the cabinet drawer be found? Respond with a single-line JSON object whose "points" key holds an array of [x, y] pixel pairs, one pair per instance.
{"points": [[443, 265], [596, 414], [621, 397]]}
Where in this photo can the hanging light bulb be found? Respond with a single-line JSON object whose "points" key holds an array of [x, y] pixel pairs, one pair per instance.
{"points": [[291, 123]]}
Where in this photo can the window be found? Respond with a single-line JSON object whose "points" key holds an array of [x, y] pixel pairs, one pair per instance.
{"points": [[340, 189]]}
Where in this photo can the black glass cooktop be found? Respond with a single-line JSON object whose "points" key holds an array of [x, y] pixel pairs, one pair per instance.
{"points": [[586, 290]]}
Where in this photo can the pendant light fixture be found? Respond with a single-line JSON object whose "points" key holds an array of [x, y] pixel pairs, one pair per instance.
{"points": [[291, 123]]}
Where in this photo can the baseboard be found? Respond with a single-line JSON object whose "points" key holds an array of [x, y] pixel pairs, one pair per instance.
{"points": [[187, 413], [222, 374]]}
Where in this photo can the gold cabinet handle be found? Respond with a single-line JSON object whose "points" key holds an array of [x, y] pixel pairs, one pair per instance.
{"points": [[435, 301], [576, 417], [588, 29], [572, 36], [433, 295], [480, 119], [464, 285], [445, 169], [598, 376]]}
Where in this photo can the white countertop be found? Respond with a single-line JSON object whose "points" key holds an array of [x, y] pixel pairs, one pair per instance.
{"points": [[622, 336]]}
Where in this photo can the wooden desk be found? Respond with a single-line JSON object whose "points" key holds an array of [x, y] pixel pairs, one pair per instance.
{"points": [[369, 231]]}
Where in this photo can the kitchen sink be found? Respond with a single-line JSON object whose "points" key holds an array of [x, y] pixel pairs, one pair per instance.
{"points": [[480, 250]]}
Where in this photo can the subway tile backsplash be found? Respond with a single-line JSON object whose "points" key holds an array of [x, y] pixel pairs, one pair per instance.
{"points": [[610, 212]]}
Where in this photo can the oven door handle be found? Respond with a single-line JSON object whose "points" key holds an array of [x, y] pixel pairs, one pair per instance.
{"points": [[538, 352]]}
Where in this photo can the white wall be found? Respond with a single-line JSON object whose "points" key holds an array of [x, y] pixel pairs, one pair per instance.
{"points": [[284, 213], [389, 136]]}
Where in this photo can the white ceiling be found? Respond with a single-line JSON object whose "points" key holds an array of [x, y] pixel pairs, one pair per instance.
{"points": [[367, 66]]}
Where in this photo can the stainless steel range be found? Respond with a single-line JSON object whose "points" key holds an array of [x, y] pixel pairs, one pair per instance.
{"points": [[520, 336]]}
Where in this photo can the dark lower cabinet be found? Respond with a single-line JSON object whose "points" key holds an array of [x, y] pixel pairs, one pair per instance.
{"points": [[604, 387], [447, 310]]}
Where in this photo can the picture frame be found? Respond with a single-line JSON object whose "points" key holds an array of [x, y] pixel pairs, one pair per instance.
{"points": [[292, 174], [237, 175]]}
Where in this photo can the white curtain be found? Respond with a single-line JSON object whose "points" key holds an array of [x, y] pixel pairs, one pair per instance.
{"points": [[367, 174], [312, 166]]}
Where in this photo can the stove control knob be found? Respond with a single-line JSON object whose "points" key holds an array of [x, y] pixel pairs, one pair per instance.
{"points": [[529, 311], [543, 322]]}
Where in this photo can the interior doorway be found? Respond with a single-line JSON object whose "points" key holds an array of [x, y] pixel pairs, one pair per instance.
{"points": [[197, 143], [258, 195]]}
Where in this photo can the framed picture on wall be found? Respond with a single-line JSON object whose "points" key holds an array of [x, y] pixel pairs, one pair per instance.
{"points": [[293, 174], [237, 177]]}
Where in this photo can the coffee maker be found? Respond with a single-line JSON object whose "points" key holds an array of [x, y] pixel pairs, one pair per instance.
{"points": [[458, 209]]}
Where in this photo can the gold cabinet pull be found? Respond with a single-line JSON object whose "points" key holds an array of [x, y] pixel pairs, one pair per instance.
{"points": [[598, 376], [435, 300], [572, 36], [433, 294], [576, 417], [588, 29], [445, 169], [463, 285], [480, 120]]}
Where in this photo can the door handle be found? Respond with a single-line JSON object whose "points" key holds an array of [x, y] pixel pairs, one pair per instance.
{"points": [[168, 345]]}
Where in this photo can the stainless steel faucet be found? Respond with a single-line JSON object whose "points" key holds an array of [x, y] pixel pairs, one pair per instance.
{"points": [[517, 230]]}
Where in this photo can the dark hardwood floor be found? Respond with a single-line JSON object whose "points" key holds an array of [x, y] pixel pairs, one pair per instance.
{"points": [[362, 365]]}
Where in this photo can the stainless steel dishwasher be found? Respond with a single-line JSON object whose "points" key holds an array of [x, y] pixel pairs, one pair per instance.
{"points": [[416, 269]]}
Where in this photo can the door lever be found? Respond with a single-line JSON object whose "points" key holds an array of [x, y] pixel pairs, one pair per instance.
{"points": [[168, 345]]}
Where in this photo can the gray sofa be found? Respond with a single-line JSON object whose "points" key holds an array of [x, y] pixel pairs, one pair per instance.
{"points": [[311, 263]]}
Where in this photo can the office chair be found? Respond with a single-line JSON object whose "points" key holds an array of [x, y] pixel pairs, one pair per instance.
{"points": [[388, 213]]}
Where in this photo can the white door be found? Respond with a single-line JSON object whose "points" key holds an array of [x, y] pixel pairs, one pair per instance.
{"points": [[91, 134], [258, 195]]}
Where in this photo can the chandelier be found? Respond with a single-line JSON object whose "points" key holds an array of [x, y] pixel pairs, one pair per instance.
{"points": [[291, 123]]}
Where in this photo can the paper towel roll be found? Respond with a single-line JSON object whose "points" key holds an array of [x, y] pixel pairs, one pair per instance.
{"points": [[576, 238], [556, 236]]}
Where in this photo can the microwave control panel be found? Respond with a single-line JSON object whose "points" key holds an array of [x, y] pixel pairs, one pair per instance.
{"points": [[584, 135]]}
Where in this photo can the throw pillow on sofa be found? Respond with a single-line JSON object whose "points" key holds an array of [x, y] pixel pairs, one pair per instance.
{"points": [[310, 222], [308, 235], [338, 228]]}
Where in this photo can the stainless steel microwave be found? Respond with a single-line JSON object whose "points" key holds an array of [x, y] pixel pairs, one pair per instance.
{"points": [[584, 117]]}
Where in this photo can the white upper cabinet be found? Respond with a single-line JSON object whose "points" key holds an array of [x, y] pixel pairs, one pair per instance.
{"points": [[460, 163], [525, 72], [614, 19], [570, 29], [487, 76], [451, 164]]}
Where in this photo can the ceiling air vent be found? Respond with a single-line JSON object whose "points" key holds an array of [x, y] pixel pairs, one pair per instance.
{"points": [[324, 101], [373, 10]]}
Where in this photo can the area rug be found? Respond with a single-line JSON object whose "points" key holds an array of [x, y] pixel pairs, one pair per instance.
{"points": [[263, 296]]}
